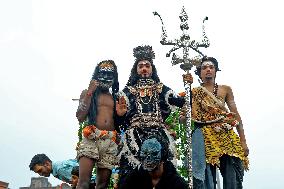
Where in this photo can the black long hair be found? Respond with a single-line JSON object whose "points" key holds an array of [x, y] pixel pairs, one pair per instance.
{"points": [[142, 53], [115, 88]]}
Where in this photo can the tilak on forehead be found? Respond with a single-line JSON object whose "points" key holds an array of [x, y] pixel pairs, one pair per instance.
{"points": [[207, 63], [143, 62], [106, 66]]}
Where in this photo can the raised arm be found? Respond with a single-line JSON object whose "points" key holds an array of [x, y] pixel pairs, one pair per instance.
{"points": [[233, 108], [179, 101], [85, 101]]}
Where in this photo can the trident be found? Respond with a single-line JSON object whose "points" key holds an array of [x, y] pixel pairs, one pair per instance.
{"points": [[186, 63]]}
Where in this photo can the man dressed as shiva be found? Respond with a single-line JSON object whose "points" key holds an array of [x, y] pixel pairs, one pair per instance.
{"points": [[143, 106]]}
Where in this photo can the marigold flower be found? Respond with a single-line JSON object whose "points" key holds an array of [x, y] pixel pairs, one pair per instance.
{"points": [[182, 94], [87, 131]]}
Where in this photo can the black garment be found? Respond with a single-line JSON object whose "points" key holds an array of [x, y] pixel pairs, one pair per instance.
{"points": [[141, 179], [232, 171], [165, 97], [148, 107], [149, 113]]}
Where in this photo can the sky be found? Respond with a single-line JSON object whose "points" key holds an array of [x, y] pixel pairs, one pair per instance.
{"points": [[49, 49]]}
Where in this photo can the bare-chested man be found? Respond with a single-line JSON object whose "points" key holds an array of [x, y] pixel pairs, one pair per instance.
{"points": [[214, 125], [96, 108]]}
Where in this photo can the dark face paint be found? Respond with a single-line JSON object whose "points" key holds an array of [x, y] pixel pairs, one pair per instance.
{"points": [[105, 78]]}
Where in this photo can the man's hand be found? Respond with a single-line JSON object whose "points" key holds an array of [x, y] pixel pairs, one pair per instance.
{"points": [[187, 78], [92, 86], [182, 115], [245, 147], [173, 134], [121, 107]]}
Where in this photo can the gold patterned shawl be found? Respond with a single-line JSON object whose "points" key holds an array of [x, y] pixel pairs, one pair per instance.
{"points": [[218, 139]]}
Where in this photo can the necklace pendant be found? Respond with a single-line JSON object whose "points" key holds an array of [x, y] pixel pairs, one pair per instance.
{"points": [[142, 92]]}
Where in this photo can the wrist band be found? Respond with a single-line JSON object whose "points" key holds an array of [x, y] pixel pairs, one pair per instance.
{"points": [[82, 106]]}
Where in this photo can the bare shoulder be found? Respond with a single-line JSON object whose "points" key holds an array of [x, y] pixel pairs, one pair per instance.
{"points": [[225, 88], [225, 92]]}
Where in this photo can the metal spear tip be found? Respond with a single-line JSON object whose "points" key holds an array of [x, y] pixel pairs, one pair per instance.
{"points": [[206, 18], [155, 13]]}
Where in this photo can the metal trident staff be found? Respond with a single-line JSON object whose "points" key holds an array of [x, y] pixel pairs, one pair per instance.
{"points": [[187, 63]]}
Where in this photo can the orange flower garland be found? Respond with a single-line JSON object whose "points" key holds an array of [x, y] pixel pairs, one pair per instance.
{"points": [[88, 130]]}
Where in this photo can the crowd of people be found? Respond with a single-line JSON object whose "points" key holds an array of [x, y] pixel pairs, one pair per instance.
{"points": [[126, 131]]}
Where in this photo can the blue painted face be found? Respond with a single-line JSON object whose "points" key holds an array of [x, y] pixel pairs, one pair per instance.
{"points": [[150, 154]]}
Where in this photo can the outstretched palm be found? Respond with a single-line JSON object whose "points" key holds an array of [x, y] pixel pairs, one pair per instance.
{"points": [[121, 107]]}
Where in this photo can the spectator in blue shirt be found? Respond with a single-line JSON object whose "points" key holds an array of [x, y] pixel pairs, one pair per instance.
{"points": [[42, 165]]}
